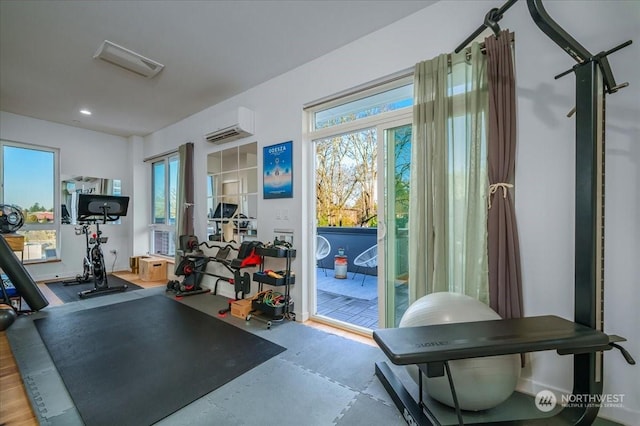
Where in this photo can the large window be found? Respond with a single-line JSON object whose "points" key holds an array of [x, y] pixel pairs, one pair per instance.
{"points": [[164, 199], [29, 176]]}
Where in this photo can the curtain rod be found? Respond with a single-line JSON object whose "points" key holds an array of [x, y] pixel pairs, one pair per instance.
{"points": [[483, 48], [379, 82], [164, 154], [491, 20]]}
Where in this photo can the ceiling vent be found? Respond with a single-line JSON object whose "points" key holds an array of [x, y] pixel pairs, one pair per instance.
{"points": [[233, 125], [127, 59]]}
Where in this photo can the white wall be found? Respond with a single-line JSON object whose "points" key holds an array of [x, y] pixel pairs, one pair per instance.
{"points": [[82, 153], [545, 158]]}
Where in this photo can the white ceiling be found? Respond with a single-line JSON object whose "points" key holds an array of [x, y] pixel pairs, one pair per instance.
{"points": [[212, 50]]}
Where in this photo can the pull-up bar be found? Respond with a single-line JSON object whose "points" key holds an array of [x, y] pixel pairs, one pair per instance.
{"points": [[490, 21], [556, 33]]}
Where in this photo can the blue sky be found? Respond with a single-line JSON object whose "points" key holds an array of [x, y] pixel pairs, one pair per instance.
{"points": [[28, 177]]}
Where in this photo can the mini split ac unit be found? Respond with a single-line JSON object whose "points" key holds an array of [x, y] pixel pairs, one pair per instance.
{"points": [[233, 125]]}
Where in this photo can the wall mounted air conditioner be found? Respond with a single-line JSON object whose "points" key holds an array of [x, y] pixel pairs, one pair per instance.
{"points": [[231, 126]]}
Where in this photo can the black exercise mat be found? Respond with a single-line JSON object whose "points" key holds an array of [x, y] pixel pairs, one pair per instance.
{"points": [[136, 362], [69, 293]]}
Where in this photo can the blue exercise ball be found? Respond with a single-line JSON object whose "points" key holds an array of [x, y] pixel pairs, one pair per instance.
{"points": [[480, 383]]}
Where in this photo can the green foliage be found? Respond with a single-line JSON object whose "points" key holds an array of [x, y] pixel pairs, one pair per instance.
{"points": [[36, 208]]}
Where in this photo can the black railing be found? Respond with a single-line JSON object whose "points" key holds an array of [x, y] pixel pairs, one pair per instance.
{"points": [[353, 240]]}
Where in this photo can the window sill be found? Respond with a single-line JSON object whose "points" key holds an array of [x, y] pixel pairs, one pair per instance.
{"points": [[39, 262]]}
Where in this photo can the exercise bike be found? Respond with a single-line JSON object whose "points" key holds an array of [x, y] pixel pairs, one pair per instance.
{"points": [[87, 266], [96, 209]]}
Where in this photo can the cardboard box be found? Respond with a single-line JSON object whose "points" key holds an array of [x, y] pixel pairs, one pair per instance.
{"points": [[241, 308], [153, 269]]}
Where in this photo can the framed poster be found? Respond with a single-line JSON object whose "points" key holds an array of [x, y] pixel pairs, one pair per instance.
{"points": [[278, 170]]}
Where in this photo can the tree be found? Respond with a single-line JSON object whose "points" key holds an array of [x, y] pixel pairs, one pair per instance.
{"points": [[334, 180], [36, 208], [402, 175], [346, 179], [363, 149]]}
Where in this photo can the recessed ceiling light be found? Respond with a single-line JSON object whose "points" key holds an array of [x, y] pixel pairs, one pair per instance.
{"points": [[85, 112]]}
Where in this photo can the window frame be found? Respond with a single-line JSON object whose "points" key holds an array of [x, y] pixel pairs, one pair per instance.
{"points": [[403, 78], [166, 227], [57, 213]]}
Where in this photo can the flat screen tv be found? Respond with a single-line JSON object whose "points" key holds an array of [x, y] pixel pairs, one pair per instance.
{"points": [[106, 207], [225, 211]]}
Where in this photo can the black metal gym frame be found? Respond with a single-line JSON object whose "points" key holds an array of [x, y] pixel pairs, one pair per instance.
{"points": [[431, 347], [594, 80]]}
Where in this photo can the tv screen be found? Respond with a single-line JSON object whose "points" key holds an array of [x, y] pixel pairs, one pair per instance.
{"points": [[225, 211], [110, 207]]}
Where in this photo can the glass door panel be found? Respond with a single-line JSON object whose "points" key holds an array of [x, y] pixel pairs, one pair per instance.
{"points": [[395, 242], [346, 193]]}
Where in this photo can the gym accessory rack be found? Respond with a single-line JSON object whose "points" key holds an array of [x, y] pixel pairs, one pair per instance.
{"points": [[283, 279]]}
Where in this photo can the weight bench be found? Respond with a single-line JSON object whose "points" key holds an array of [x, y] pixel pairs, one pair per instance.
{"points": [[432, 347]]}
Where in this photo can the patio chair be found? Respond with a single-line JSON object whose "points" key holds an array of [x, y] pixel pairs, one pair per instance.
{"points": [[366, 259], [323, 248]]}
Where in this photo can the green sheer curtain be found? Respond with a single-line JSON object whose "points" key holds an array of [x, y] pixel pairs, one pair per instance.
{"points": [[448, 204]]}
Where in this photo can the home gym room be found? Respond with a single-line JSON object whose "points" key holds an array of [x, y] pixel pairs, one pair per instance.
{"points": [[166, 354]]}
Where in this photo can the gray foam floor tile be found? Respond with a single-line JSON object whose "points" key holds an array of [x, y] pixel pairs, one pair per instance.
{"points": [[341, 359], [367, 411], [50, 400], [283, 392]]}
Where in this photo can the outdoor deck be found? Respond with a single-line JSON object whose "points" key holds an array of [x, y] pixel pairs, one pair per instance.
{"points": [[351, 300]]}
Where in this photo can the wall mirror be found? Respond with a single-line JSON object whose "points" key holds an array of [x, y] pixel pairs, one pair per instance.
{"points": [[232, 194], [72, 186]]}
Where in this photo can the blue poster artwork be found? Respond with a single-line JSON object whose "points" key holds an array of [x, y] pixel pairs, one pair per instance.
{"points": [[278, 170]]}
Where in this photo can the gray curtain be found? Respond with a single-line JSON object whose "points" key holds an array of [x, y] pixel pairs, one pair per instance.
{"points": [[447, 208], [505, 282], [184, 213]]}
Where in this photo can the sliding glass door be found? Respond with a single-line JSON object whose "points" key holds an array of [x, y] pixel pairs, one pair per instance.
{"points": [[361, 150], [394, 238]]}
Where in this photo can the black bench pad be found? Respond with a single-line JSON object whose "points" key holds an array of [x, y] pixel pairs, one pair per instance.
{"points": [[444, 342]]}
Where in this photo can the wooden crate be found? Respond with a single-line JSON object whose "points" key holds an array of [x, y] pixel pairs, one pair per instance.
{"points": [[153, 269], [241, 308]]}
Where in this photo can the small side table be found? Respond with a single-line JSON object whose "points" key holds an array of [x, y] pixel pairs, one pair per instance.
{"points": [[340, 263]]}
